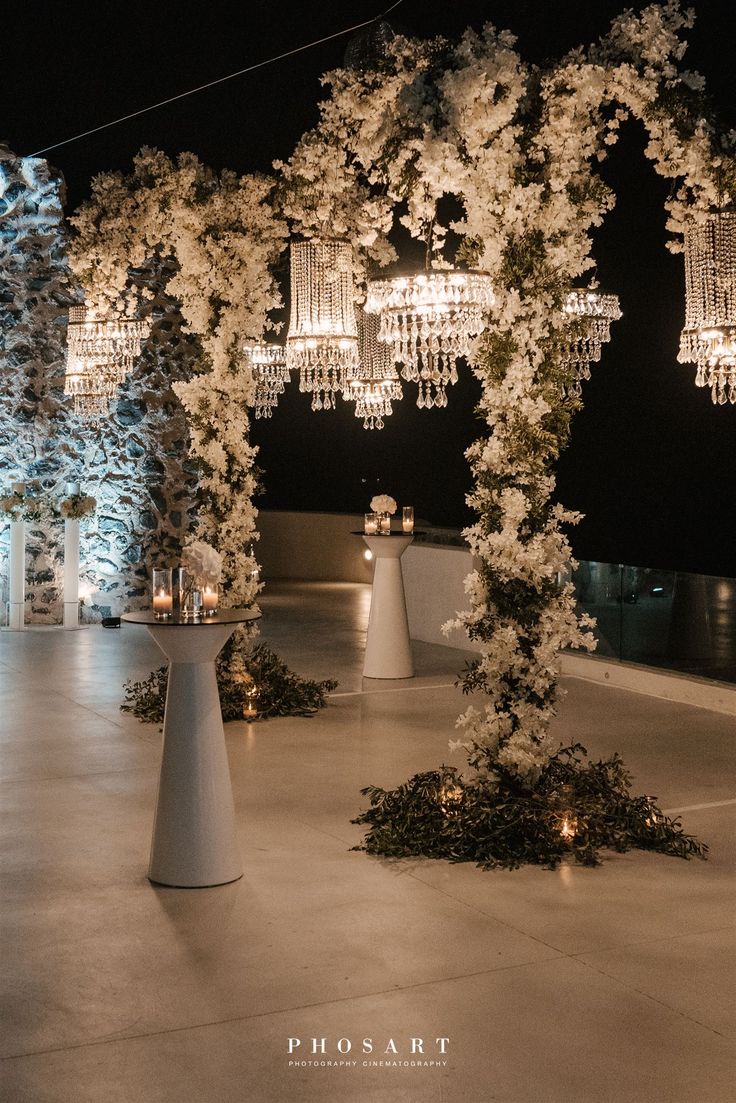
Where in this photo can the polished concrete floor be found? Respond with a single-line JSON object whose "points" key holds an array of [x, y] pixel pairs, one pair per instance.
{"points": [[612, 985]]}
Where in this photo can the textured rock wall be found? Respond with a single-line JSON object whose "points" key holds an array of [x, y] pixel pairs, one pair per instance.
{"points": [[134, 462]]}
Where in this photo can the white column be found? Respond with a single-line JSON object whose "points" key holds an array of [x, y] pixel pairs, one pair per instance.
{"points": [[16, 606], [71, 573], [194, 834], [387, 645]]}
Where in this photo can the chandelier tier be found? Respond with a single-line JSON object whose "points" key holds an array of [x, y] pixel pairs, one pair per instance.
{"points": [[430, 321], [87, 383], [709, 335], [375, 384], [322, 342], [596, 310], [100, 353], [268, 363]]}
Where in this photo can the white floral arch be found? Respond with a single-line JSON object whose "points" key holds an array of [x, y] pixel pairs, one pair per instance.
{"points": [[517, 146]]}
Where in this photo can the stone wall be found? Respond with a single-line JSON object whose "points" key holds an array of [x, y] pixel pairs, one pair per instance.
{"points": [[134, 462]]}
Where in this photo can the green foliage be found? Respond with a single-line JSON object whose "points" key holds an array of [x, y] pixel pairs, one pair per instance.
{"points": [[439, 814], [280, 692]]}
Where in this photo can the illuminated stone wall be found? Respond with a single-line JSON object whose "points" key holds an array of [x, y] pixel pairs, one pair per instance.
{"points": [[134, 462]]}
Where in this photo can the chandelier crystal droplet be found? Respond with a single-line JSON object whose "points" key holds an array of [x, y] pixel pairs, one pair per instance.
{"points": [[100, 353], [267, 361], [322, 342], [594, 311], [374, 384], [709, 336], [430, 321]]}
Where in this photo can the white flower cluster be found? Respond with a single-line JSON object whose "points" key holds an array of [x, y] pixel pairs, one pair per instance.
{"points": [[202, 561], [383, 503]]}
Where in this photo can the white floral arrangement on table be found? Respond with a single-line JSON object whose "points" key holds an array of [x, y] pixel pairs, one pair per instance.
{"points": [[383, 503], [201, 561], [19, 505], [77, 506]]}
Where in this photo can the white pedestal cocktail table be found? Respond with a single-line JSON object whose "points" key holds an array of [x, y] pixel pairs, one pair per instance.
{"points": [[387, 644], [194, 834]]}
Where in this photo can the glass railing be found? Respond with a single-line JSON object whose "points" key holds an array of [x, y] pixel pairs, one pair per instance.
{"points": [[668, 619]]}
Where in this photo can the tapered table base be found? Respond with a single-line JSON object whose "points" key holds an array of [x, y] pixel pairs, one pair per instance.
{"points": [[387, 645], [194, 841]]}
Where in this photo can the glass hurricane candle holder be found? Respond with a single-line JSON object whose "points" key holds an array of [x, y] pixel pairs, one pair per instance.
{"points": [[385, 524], [250, 707], [407, 518], [190, 595], [370, 525], [209, 598], [163, 594]]}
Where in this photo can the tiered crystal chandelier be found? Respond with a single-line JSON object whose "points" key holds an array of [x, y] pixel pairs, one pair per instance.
{"points": [[100, 353], [596, 310], [322, 342], [430, 321], [709, 336], [375, 383], [268, 363]]}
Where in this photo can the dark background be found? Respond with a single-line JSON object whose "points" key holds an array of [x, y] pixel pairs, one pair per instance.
{"points": [[652, 461]]}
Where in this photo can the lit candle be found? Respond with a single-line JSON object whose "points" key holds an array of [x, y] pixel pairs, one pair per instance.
{"points": [[209, 600], [163, 603], [385, 524], [371, 524], [250, 710], [407, 520]]}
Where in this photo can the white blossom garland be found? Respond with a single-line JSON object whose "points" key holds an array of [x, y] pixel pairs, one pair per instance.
{"points": [[223, 235]]}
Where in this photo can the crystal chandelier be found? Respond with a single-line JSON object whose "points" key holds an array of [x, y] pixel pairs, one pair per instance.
{"points": [[596, 310], [90, 387], [100, 353], [374, 385], [268, 363], [709, 336], [430, 321], [322, 341]]}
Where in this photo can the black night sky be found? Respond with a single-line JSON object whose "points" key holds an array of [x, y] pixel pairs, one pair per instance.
{"points": [[652, 462]]}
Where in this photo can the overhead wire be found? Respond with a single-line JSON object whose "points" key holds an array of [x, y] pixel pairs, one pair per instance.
{"points": [[212, 83]]}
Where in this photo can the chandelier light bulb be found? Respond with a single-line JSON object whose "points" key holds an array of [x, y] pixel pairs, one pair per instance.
{"points": [[430, 321]]}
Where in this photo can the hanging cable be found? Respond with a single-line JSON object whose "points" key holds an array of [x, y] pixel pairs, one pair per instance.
{"points": [[220, 80]]}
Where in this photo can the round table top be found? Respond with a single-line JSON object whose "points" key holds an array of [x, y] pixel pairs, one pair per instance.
{"points": [[224, 616], [394, 532]]}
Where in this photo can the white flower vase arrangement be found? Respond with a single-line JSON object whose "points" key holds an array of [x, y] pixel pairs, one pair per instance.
{"points": [[385, 506], [199, 579]]}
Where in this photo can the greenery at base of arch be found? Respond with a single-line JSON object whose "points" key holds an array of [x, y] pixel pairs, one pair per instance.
{"points": [[575, 809]]}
